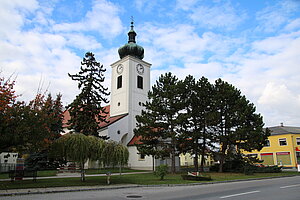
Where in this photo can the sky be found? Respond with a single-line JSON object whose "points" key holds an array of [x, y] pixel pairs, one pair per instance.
{"points": [[252, 44]]}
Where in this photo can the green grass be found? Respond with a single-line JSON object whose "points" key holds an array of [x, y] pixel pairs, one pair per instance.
{"points": [[112, 170], [88, 171], [141, 179]]}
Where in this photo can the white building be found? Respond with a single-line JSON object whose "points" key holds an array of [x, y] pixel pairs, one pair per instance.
{"points": [[130, 83]]}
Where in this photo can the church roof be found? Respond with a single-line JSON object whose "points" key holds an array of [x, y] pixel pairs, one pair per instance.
{"points": [[131, 48], [111, 120]]}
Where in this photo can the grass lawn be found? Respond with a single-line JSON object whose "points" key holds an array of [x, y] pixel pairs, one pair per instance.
{"points": [[88, 171], [141, 179]]}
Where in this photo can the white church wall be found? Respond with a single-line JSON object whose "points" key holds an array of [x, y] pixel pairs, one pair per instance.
{"points": [[135, 161], [118, 130]]}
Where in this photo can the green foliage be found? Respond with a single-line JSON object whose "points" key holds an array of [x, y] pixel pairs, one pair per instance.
{"points": [[86, 111], [161, 171], [158, 123], [197, 118], [237, 124], [191, 116], [79, 148]]}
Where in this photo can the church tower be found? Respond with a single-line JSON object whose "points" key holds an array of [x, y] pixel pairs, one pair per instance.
{"points": [[130, 81]]}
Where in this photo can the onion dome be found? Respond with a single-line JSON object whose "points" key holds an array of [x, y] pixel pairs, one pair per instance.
{"points": [[131, 48]]}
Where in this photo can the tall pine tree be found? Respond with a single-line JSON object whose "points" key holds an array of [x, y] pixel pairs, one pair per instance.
{"points": [[158, 124], [237, 123], [86, 110], [197, 118]]}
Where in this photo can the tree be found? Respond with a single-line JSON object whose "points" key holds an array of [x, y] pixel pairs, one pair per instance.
{"points": [[158, 124], [74, 147], [28, 127], [197, 118], [79, 148], [86, 111], [237, 122], [7, 102]]}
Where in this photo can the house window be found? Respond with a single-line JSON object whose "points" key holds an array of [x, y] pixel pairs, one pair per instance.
{"points": [[141, 156], [267, 143], [282, 142], [283, 158], [267, 158], [119, 82], [140, 82], [297, 141]]}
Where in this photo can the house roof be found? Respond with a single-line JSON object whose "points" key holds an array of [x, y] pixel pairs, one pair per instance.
{"points": [[280, 130], [135, 140], [110, 120]]}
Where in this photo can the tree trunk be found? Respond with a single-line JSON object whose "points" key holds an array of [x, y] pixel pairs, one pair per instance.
{"points": [[222, 156], [153, 163], [82, 172], [203, 156], [196, 164], [173, 167]]}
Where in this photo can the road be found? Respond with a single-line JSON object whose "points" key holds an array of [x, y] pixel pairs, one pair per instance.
{"points": [[269, 189]]}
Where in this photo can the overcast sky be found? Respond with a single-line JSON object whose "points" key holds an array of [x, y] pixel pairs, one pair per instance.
{"points": [[252, 44]]}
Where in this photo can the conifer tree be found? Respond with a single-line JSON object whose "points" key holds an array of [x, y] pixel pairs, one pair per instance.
{"points": [[237, 123], [86, 110], [197, 118], [158, 124]]}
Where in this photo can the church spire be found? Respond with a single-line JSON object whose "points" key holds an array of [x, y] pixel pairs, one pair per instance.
{"points": [[131, 48], [131, 34]]}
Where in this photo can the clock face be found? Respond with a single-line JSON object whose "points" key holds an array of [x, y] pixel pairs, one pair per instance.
{"points": [[140, 68], [120, 69]]}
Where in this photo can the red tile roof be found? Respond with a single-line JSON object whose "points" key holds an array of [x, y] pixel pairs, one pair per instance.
{"points": [[110, 120], [135, 140]]}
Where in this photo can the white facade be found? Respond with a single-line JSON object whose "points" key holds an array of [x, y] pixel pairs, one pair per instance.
{"points": [[127, 98]]}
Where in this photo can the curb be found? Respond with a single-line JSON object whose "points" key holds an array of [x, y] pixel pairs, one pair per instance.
{"points": [[61, 190]]}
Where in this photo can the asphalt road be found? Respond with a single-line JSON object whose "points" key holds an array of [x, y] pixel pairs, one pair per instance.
{"points": [[269, 189]]}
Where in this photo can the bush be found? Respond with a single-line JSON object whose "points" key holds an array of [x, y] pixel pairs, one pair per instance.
{"points": [[161, 171], [196, 178]]}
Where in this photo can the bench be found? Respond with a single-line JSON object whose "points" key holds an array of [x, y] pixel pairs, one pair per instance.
{"points": [[19, 174]]}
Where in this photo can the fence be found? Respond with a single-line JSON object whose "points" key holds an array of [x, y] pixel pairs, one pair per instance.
{"points": [[5, 167]]}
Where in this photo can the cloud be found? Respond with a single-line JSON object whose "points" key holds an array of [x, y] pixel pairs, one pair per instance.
{"points": [[224, 16], [273, 17], [293, 25], [185, 4], [14, 19], [103, 18], [277, 99]]}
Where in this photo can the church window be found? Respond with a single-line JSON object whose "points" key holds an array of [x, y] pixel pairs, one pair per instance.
{"points": [[119, 103], [119, 82], [140, 82], [141, 156]]}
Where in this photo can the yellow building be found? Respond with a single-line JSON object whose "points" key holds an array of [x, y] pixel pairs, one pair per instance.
{"points": [[282, 149], [187, 160]]}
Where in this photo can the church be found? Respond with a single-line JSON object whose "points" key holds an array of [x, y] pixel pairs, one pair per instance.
{"points": [[130, 83]]}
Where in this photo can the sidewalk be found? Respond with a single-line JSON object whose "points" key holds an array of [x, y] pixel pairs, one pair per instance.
{"points": [[13, 192]]}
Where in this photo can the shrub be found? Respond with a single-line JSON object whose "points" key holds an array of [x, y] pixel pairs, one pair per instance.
{"points": [[196, 178], [161, 171]]}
